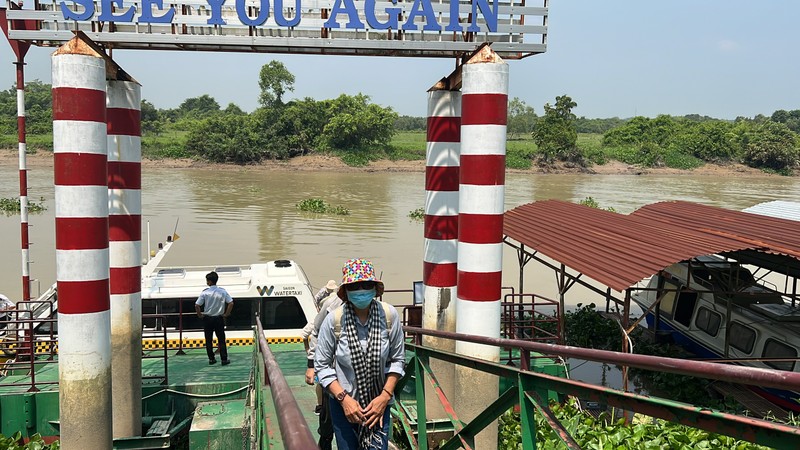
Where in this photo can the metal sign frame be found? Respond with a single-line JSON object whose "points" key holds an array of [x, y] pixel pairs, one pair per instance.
{"points": [[424, 28]]}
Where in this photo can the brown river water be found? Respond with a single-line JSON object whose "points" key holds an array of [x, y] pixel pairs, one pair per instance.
{"points": [[229, 217]]}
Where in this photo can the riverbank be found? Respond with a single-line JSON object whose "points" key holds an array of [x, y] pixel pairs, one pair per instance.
{"points": [[326, 163]]}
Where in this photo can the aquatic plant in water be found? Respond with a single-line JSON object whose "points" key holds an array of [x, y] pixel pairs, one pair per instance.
{"points": [[10, 205], [417, 214], [319, 206]]}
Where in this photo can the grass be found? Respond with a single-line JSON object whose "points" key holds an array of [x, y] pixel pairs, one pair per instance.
{"points": [[167, 145]]}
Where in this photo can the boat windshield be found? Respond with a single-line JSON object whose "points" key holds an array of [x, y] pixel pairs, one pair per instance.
{"points": [[724, 279]]}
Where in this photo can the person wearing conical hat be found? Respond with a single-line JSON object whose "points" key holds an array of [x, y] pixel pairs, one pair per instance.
{"points": [[360, 359]]}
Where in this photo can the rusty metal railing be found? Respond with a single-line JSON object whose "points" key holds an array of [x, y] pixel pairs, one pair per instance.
{"points": [[530, 388], [294, 430]]}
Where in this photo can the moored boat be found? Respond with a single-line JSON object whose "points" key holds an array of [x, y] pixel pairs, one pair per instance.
{"points": [[716, 309]]}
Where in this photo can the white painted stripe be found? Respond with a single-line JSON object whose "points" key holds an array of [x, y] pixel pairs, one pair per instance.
{"points": [[23, 149], [124, 202], [480, 258], [25, 263], [20, 103], [124, 148], [81, 201], [123, 94], [486, 78], [82, 265], [23, 208], [131, 301], [439, 310], [84, 347], [441, 251], [125, 253], [78, 136], [79, 71], [441, 203], [444, 104], [483, 139], [482, 319], [442, 154], [477, 199]]}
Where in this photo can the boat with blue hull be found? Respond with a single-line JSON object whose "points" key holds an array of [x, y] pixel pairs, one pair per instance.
{"points": [[716, 309]]}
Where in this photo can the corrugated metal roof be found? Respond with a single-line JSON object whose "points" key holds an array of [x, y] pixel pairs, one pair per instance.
{"points": [[776, 235], [781, 209], [613, 249]]}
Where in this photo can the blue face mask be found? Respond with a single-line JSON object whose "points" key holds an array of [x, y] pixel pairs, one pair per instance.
{"points": [[361, 298]]}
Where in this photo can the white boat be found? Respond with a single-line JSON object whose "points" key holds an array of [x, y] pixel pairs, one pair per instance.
{"points": [[716, 309], [279, 292]]}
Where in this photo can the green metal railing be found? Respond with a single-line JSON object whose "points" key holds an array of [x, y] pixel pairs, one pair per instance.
{"points": [[531, 390]]}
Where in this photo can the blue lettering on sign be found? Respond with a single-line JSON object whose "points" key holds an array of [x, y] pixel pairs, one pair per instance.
{"points": [[216, 12], [488, 9], [108, 12]]}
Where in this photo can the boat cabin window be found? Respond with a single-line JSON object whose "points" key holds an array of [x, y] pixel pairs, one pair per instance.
{"points": [[742, 337], [668, 295], [684, 307], [275, 313], [775, 349], [708, 321]]}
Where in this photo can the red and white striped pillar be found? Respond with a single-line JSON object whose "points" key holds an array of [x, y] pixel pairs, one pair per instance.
{"points": [[484, 104], [439, 273], [23, 181], [82, 257], [125, 248]]}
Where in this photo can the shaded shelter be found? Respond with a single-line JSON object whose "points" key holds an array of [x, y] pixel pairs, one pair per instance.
{"points": [[619, 250]]}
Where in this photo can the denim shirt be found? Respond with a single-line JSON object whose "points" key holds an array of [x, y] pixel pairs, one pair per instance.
{"points": [[332, 357]]}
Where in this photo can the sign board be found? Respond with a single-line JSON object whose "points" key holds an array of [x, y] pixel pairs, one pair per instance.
{"points": [[427, 28]]}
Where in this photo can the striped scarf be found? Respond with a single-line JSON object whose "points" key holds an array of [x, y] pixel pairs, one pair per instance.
{"points": [[367, 366]]}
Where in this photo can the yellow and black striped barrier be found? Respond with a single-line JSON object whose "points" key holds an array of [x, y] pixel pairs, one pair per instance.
{"points": [[153, 344]]}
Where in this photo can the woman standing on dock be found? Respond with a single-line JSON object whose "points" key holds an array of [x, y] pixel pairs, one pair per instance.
{"points": [[359, 358]]}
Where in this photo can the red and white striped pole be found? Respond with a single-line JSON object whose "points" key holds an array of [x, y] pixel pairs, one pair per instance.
{"points": [[484, 104], [125, 248], [439, 273], [23, 181], [82, 257]]}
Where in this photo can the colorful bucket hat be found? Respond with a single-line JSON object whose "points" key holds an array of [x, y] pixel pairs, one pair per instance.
{"points": [[355, 270]]}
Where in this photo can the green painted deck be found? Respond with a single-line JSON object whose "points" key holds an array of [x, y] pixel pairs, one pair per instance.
{"points": [[192, 382]]}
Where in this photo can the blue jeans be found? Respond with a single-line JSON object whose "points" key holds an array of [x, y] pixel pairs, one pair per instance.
{"points": [[347, 433]]}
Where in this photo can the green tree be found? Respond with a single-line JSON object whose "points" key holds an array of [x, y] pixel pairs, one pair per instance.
{"points": [[38, 109], [234, 109], [555, 133], [274, 79], [769, 145], [710, 141], [521, 118], [151, 118], [198, 107], [303, 124], [357, 124], [225, 138]]}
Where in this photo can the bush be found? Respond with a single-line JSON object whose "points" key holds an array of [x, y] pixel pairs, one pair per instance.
{"points": [[769, 145]]}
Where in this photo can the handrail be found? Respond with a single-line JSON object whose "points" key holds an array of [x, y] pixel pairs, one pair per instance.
{"points": [[737, 374], [294, 429]]}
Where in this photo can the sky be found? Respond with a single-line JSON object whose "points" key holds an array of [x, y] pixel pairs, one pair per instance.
{"points": [[619, 58]]}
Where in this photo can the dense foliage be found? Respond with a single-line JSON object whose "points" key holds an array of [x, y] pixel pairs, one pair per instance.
{"points": [[605, 433], [359, 131], [35, 443], [760, 142]]}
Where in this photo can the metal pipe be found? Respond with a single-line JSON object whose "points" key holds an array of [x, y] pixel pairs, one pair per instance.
{"points": [[737, 374], [294, 429]]}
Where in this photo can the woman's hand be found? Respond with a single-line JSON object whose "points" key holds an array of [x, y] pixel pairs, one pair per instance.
{"points": [[310, 376], [352, 410], [373, 413]]}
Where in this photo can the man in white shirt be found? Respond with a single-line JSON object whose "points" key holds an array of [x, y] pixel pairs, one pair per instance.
{"points": [[213, 305], [5, 305]]}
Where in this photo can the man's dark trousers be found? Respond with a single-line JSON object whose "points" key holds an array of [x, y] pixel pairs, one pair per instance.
{"points": [[325, 424], [215, 325]]}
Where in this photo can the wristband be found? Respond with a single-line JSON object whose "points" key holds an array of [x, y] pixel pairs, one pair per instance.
{"points": [[310, 363], [390, 394]]}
